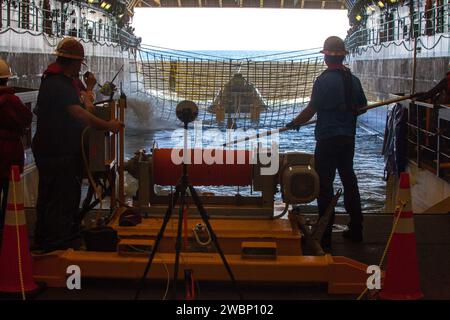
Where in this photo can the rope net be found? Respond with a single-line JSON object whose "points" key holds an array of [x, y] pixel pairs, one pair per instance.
{"points": [[252, 92]]}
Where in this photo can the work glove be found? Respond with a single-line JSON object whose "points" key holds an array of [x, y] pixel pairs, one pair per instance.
{"points": [[89, 80], [115, 125], [293, 126], [359, 111]]}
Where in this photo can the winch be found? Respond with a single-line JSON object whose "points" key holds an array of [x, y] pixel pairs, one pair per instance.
{"points": [[296, 175]]}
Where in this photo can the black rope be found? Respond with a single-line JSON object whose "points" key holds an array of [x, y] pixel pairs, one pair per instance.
{"points": [[378, 47]]}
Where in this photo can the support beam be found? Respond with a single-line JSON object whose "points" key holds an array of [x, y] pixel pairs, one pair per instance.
{"points": [[298, 4], [343, 275], [142, 3]]}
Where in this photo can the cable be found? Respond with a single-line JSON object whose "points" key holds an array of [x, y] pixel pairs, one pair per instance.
{"points": [[19, 253], [168, 279], [196, 236], [285, 210], [165, 267]]}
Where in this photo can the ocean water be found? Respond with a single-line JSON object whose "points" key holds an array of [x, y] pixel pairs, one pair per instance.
{"points": [[255, 55], [233, 54]]}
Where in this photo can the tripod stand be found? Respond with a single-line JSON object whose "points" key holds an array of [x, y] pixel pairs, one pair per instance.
{"points": [[180, 193]]}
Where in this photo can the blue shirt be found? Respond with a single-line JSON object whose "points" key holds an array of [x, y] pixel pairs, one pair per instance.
{"points": [[328, 100]]}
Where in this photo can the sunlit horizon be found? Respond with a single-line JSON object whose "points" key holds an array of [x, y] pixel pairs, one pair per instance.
{"points": [[246, 29]]}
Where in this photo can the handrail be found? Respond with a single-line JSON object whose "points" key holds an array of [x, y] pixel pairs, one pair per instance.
{"points": [[23, 15], [426, 144], [425, 23]]}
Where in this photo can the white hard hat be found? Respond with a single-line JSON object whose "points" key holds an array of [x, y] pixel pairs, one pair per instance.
{"points": [[5, 70]]}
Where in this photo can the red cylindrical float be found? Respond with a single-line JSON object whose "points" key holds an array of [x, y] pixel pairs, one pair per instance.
{"points": [[207, 167]]}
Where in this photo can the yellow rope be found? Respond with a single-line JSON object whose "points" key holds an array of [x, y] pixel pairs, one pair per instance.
{"points": [[394, 227], [22, 287]]}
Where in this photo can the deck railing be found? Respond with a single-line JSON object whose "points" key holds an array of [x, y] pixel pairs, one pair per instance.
{"points": [[24, 16], [428, 140], [425, 23]]}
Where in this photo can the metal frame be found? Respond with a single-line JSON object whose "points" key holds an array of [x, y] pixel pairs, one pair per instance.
{"points": [[439, 113], [222, 206], [45, 21]]}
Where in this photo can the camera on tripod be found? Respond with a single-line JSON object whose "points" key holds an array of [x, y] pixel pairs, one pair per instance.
{"points": [[186, 111]]}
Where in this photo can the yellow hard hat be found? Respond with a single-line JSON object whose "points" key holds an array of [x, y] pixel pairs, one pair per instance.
{"points": [[334, 46], [70, 48], [5, 70]]}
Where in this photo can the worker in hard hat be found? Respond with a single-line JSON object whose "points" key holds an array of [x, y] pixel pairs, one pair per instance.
{"points": [[336, 97], [56, 145], [15, 117]]}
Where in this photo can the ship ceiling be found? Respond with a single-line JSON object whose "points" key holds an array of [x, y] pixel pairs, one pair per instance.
{"points": [[286, 4]]}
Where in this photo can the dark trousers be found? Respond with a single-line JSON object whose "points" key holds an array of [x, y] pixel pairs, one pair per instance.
{"points": [[58, 202], [4, 185], [331, 154]]}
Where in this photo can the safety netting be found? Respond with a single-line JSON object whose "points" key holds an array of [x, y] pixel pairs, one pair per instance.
{"points": [[246, 92]]}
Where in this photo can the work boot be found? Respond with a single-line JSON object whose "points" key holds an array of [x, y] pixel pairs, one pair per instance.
{"points": [[354, 235]]}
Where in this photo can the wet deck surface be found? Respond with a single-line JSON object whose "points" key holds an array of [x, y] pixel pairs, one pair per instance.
{"points": [[433, 248]]}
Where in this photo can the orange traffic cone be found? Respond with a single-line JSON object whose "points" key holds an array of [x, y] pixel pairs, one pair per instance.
{"points": [[402, 280], [16, 276]]}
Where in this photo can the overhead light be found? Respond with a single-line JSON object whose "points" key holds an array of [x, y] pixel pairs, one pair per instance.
{"points": [[370, 9], [91, 1], [105, 4], [381, 4], [392, 1], [358, 17]]}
